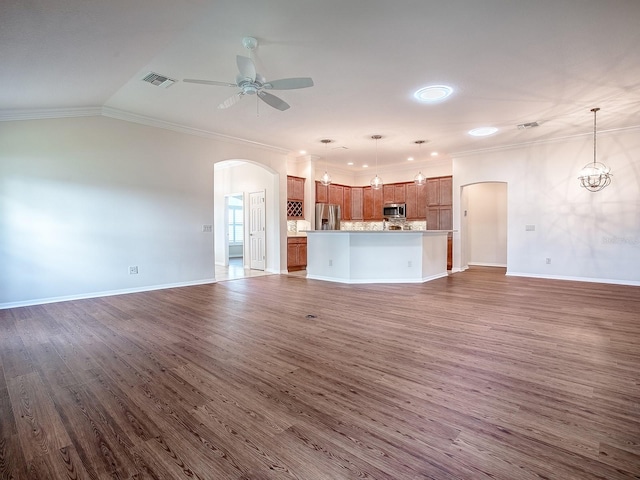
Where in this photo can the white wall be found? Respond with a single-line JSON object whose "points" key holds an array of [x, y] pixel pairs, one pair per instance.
{"points": [[82, 199], [588, 236], [486, 215]]}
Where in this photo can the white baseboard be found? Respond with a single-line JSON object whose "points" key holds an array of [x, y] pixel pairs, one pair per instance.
{"points": [[633, 283], [108, 293], [357, 281], [482, 264]]}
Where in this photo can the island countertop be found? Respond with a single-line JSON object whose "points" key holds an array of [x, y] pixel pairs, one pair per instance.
{"points": [[377, 256], [427, 232]]}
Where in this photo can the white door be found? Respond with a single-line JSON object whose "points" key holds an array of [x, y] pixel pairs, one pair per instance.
{"points": [[257, 233]]}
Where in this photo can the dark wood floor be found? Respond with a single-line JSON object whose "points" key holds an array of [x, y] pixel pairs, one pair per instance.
{"points": [[474, 376]]}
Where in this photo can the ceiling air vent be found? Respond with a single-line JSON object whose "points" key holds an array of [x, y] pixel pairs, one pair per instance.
{"points": [[158, 80], [526, 126]]}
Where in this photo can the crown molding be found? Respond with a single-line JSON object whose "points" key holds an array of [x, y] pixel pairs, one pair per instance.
{"points": [[502, 148], [154, 122], [9, 115], [43, 113]]}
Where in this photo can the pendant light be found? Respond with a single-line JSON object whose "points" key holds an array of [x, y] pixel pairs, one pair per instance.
{"points": [[595, 176], [376, 182], [325, 179], [419, 179]]}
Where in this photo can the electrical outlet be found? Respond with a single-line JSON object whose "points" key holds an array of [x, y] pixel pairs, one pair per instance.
{"points": [[207, 228], [530, 228], [548, 261], [331, 263], [409, 263], [133, 270]]}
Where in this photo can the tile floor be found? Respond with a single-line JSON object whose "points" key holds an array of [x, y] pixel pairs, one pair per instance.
{"points": [[236, 270]]}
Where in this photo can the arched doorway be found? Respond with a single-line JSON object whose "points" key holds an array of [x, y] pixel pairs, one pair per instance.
{"points": [[483, 224], [235, 183]]}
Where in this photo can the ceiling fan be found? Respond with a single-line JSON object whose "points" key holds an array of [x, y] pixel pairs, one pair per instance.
{"points": [[251, 82]]}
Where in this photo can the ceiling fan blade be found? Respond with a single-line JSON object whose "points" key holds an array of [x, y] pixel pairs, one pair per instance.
{"points": [[232, 100], [246, 67], [274, 101], [210, 82], [289, 83]]}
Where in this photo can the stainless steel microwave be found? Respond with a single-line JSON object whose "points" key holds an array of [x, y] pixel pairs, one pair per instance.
{"points": [[394, 210]]}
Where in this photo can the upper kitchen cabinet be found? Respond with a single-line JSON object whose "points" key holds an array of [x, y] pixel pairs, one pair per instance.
{"points": [[416, 200], [322, 193], [394, 193], [295, 188], [439, 203], [372, 202], [337, 195], [347, 204], [439, 191], [295, 198], [356, 203]]}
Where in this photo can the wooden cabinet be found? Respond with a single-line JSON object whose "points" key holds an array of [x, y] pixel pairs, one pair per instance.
{"points": [[322, 193], [394, 193], [295, 188], [335, 194], [440, 211], [416, 200], [296, 253], [439, 218], [295, 198], [439, 191], [346, 204], [356, 203], [423, 201], [399, 193], [372, 201]]}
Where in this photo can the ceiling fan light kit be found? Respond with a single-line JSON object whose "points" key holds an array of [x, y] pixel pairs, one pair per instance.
{"points": [[595, 176], [250, 82]]}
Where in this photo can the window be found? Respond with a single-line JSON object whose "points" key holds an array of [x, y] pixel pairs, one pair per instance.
{"points": [[236, 226]]}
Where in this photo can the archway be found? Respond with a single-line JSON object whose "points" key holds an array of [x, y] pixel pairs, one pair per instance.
{"points": [[483, 224], [239, 178]]}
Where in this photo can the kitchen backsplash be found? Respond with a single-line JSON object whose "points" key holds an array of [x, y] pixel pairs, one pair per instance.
{"points": [[370, 226], [294, 226]]}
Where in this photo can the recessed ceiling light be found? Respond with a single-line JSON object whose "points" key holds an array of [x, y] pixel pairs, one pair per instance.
{"points": [[365, 166], [434, 154], [483, 131], [302, 152], [349, 163], [410, 159], [433, 93]]}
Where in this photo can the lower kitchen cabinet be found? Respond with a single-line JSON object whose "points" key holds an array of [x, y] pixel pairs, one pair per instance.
{"points": [[296, 253]]}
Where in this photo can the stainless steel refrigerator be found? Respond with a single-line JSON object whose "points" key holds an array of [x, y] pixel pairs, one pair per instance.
{"points": [[327, 216]]}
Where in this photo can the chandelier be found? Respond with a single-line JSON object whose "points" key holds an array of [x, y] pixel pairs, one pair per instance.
{"points": [[376, 182], [595, 176]]}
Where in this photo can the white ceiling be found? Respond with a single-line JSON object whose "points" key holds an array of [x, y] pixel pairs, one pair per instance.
{"points": [[509, 62]]}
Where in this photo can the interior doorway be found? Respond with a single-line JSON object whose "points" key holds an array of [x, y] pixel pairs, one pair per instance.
{"points": [[235, 229], [484, 224], [236, 180]]}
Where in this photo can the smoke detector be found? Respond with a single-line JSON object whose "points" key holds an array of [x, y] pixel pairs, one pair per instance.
{"points": [[526, 126], [158, 80]]}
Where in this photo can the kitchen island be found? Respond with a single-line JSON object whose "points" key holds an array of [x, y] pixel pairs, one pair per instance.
{"points": [[389, 256]]}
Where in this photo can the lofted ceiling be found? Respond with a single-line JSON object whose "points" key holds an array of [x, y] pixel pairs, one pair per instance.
{"points": [[508, 61]]}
